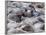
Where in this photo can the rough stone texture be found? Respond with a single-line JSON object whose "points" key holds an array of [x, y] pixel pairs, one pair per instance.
{"points": [[25, 17]]}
